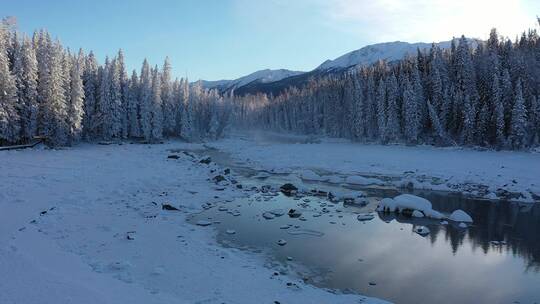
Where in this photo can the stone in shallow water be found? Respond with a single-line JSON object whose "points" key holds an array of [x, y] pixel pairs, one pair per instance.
{"points": [[268, 215], [282, 242], [231, 231], [365, 217], [294, 213], [421, 230], [204, 223]]}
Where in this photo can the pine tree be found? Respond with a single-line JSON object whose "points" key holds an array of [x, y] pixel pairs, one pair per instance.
{"points": [[25, 71], [157, 110], [133, 106], [76, 101], [145, 103], [169, 107], [55, 126], [188, 115], [519, 120], [91, 93], [436, 124], [381, 110], [104, 107], [9, 118], [393, 129], [124, 94], [498, 115], [469, 121], [412, 121]]}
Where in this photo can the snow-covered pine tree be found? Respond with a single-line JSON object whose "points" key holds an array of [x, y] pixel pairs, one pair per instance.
{"points": [[104, 107], [145, 104], [167, 97], [393, 128], [518, 134], [25, 71], [411, 119], [55, 107], [436, 124], [9, 118], [116, 110], [188, 131], [133, 106], [124, 94], [91, 93], [75, 100], [381, 110], [156, 107], [498, 113]]}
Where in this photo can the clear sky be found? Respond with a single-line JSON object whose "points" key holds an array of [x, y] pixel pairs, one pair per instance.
{"points": [[225, 39]]}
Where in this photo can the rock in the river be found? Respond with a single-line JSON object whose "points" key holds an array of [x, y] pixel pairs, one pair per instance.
{"points": [[278, 212], [417, 213], [365, 217], [218, 178], [206, 160], [168, 207], [231, 231], [288, 189], [460, 216], [204, 223], [282, 242], [421, 230], [294, 213], [268, 215], [173, 156]]}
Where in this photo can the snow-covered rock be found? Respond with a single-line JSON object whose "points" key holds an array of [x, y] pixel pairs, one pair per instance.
{"points": [[282, 242], [417, 213], [268, 215], [460, 216], [204, 223], [408, 202], [421, 230]]}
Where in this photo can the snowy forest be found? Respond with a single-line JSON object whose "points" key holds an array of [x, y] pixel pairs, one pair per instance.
{"points": [[65, 97], [473, 94]]}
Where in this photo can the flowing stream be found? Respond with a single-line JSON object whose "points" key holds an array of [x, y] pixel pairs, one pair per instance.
{"points": [[495, 260]]}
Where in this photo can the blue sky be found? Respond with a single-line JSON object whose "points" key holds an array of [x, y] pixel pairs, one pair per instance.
{"points": [[224, 39]]}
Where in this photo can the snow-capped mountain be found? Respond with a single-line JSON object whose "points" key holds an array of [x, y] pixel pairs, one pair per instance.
{"points": [[388, 51], [275, 81], [262, 76]]}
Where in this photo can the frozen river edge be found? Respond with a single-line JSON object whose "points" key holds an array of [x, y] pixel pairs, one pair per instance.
{"points": [[93, 224]]}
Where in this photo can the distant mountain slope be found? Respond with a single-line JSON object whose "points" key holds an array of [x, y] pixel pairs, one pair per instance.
{"points": [[275, 81], [263, 76]]}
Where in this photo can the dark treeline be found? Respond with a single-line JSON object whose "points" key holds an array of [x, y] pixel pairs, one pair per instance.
{"points": [[475, 93], [45, 90]]}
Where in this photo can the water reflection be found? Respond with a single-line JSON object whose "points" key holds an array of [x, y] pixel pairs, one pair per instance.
{"points": [[450, 265]]}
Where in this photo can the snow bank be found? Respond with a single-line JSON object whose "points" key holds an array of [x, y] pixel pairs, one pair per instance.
{"points": [[311, 176], [362, 181], [489, 174]]}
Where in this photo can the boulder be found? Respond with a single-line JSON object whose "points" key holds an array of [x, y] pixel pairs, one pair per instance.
{"points": [[288, 189]]}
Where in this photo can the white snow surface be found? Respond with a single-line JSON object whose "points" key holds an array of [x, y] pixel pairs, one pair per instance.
{"points": [[95, 197], [472, 172]]}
